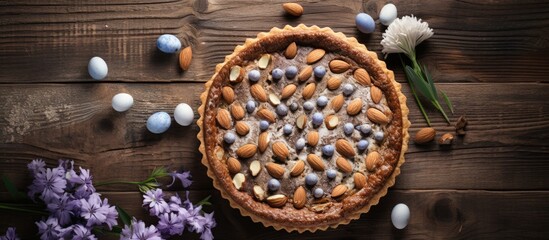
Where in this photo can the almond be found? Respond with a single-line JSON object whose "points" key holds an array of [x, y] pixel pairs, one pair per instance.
{"points": [[185, 57], [344, 148], [339, 190], [288, 91], [305, 74], [263, 141], [315, 55], [246, 151], [264, 61], [238, 180], [309, 90], [228, 94], [280, 150], [275, 170], [277, 200], [219, 153], [425, 135], [242, 128], [258, 93], [331, 121], [446, 139], [259, 193], [267, 115], [301, 122], [291, 51], [273, 99], [375, 94], [237, 111], [297, 169], [293, 9], [372, 160], [337, 102], [255, 167], [223, 117], [339, 66], [333, 83], [360, 180], [344, 165], [362, 77], [377, 116], [354, 107], [312, 138], [233, 165], [300, 197], [236, 75], [315, 162]]}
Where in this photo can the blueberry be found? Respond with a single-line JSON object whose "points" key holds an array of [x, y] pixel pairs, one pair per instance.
{"points": [[348, 89], [318, 118], [294, 106], [331, 173], [288, 128], [229, 138], [300, 144], [277, 74], [308, 106], [263, 125], [319, 71], [365, 23], [348, 128], [378, 136], [318, 193], [291, 72], [254, 75], [362, 145], [365, 129], [322, 101], [273, 185], [281, 110], [250, 106], [311, 179], [159, 122], [328, 150]]}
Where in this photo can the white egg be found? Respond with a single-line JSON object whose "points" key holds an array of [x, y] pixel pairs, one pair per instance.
{"points": [[122, 102], [388, 14], [400, 215], [97, 68], [183, 114]]}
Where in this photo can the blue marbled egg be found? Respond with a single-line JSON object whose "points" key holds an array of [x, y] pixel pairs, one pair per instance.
{"points": [[159, 122], [365, 23], [168, 43]]}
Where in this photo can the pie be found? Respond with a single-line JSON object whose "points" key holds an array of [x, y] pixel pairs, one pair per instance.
{"points": [[303, 128]]}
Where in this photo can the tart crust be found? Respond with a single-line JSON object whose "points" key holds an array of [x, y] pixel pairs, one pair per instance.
{"points": [[353, 205]]}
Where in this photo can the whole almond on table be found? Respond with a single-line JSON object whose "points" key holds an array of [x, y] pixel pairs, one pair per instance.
{"points": [[425, 135], [293, 9], [185, 57]]}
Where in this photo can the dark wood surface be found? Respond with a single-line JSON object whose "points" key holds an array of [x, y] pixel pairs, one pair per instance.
{"points": [[491, 57]]}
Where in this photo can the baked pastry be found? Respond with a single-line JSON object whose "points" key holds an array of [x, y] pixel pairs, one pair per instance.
{"points": [[302, 128]]}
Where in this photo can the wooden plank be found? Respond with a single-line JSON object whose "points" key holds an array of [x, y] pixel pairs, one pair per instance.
{"points": [[506, 139], [444, 214], [501, 41]]}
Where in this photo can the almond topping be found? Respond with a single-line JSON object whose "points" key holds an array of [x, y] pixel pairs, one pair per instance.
{"points": [[372, 160], [258, 93], [237, 74], [255, 167], [344, 148], [333, 83], [344, 165], [277, 200], [297, 169], [360, 180], [228, 94], [315, 55], [246, 151], [305, 74], [339, 66], [275, 170], [301, 122], [267, 115], [273, 99], [309, 90], [312, 138], [354, 107], [315, 162], [300, 197], [337, 102], [233, 165], [238, 180], [288, 91], [263, 141], [362, 77], [259, 193], [339, 190], [237, 111], [264, 61], [223, 117], [377, 116], [242, 128], [331, 122], [375, 94], [291, 51], [280, 150]]}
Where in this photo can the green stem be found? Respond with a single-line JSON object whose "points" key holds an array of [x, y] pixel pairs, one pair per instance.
{"points": [[22, 210], [437, 105], [116, 182], [412, 87]]}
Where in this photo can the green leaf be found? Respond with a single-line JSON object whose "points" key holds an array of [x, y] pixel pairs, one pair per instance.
{"points": [[419, 103], [205, 201], [124, 216], [14, 193], [419, 83], [159, 172], [447, 100], [430, 81]]}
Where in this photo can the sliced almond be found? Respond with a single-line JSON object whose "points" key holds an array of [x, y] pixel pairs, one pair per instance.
{"points": [[233, 165], [301, 121], [362, 77], [280, 150], [237, 111], [242, 128], [305, 74], [277, 200], [236, 75], [372, 160], [246, 150], [354, 107], [288, 91], [339, 66], [345, 148], [315, 162], [238, 180], [255, 167], [446, 139], [219, 153], [300, 197], [298, 168], [258, 92], [263, 141], [359, 180], [339, 190], [275, 170], [344, 165], [376, 116], [375, 94], [315, 55], [267, 115], [185, 57], [223, 118], [228, 94], [331, 121], [312, 138], [308, 91], [259, 193], [273, 99], [264, 61], [333, 83], [337, 102], [291, 51]]}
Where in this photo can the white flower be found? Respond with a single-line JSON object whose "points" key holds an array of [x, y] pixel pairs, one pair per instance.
{"points": [[404, 34]]}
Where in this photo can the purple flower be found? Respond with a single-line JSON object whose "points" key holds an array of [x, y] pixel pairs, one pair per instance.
{"points": [[175, 203], [184, 177], [138, 231], [112, 214], [36, 166], [49, 183], [81, 232], [155, 201], [92, 210], [63, 208], [49, 229], [10, 235], [209, 223], [170, 224], [83, 183]]}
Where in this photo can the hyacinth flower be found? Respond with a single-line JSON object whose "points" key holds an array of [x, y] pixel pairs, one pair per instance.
{"points": [[402, 36]]}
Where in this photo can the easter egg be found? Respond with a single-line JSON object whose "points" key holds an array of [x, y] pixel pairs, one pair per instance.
{"points": [[365, 23], [183, 114], [159, 122], [388, 14], [400, 216], [122, 102], [168, 43], [97, 68]]}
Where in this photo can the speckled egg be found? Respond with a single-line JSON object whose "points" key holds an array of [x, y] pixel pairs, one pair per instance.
{"points": [[365, 23], [388, 14], [122, 102], [159, 122], [97, 68], [183, 114], [400, 216], [168, 43]]}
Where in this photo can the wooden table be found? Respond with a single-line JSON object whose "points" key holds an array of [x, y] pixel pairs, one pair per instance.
{"points": [[491, 57]]}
